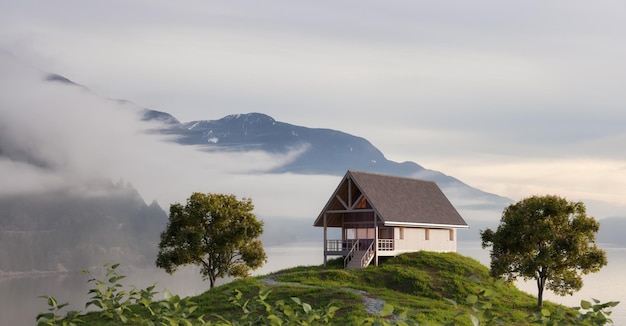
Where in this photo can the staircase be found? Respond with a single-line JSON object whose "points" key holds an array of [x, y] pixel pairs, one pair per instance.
{"points": [[360, 259]]}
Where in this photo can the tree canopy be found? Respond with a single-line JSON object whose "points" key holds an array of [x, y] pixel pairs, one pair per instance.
{"points": [[215, 231], [546, 238]]}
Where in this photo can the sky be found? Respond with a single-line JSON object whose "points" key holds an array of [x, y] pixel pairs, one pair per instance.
{"points": [[514, 98]]}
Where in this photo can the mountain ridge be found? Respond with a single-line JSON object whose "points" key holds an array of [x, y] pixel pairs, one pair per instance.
{"points": [[61, 231], [327, 151]]}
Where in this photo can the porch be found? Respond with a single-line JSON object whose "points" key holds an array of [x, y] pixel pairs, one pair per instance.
{"points": [[372, 243], [363, 238], [358, 253], [342, 247]]}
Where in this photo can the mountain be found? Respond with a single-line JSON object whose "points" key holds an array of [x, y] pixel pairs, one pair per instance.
{"points": [[327, 152], [611, 230], [323, 151], [67, 231], [71, 229]]}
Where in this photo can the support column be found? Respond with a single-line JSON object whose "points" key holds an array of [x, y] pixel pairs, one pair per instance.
{"points": [[325, 239], [375, 239]]}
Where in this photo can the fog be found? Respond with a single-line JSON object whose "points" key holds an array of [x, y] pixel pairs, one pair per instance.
{"points": [[60, 136], [513, 99], [55, 135]]}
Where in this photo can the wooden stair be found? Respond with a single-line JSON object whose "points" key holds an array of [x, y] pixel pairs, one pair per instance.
{"points": [[355, 262]]}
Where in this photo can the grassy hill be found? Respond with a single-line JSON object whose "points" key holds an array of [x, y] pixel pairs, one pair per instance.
{"points": [[422, 284], [416, 282]]}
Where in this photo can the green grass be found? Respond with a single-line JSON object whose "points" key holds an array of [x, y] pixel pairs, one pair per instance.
{"points": [[415, 282]]}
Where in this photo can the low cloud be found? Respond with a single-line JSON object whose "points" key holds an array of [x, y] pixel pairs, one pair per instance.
{"points": [[597, 182], [56, 136]]}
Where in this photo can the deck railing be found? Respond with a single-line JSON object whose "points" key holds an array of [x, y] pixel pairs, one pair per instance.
{"points": [[350, 254], [334, 245], [340, 245], [346, 245], [369, 253], [385, 244]]}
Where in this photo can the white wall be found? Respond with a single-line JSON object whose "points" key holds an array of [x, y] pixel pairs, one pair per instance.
{"points": [[415, 239]]}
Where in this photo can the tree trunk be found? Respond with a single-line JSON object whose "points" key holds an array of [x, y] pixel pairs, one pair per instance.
{"points": [[212, 280], [208, 272], [541, 282]]}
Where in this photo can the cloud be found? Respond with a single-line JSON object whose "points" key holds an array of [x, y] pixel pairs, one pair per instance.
{"points": [[57, 136], [597, 182], [460, 87]]}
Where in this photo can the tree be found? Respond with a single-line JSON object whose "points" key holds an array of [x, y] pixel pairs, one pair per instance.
{"points": [[545, 238], [215, 231]]}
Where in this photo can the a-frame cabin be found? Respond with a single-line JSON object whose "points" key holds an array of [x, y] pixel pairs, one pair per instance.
{"points": [[381, 215]]}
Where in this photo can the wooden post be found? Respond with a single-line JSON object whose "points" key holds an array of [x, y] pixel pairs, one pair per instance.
{"points": [[325, 239], [349, 193], [375, 240]]}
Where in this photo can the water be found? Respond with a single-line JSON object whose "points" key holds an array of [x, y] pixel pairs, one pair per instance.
{"points": [[18, 295], [19, 303]]}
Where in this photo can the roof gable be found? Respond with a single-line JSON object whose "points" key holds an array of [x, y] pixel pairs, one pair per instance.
{"points": [[396, 200]]}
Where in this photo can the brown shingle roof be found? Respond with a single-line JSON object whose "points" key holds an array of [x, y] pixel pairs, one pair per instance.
{"points": [[397, 201]]}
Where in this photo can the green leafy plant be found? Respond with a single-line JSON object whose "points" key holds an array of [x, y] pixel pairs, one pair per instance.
{"points": [[483, 312], [52, 317], [138, 307], [260, 312], [481, 305], [588, 313], [387, 317], [109, 296], [118, 306]]}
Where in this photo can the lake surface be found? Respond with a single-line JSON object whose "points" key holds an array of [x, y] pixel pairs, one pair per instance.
{"points": [[19, 303]]}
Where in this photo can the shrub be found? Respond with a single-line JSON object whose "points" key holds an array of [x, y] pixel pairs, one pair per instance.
{"points": [[137, 307]]}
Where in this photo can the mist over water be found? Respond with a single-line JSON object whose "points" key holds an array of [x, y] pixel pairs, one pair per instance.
{"points": [[19, 302]]}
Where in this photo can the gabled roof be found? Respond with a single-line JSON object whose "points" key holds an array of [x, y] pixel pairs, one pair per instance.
{"points": [[397, 201]]}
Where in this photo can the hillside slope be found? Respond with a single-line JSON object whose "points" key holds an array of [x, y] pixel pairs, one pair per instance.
{"points": [[418, 282]]}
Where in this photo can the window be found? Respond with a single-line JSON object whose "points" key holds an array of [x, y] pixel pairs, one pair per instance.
{"points": [[426, 234], [360, 233], [385, 233], [451, 234]]}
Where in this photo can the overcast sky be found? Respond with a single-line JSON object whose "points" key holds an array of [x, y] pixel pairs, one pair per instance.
{"points": [[515, 98]]}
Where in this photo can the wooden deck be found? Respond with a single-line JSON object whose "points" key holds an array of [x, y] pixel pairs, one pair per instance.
{"points": [[342, 247]]}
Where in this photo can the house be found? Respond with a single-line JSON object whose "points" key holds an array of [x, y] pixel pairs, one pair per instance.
{"points": [[382, 216]]}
